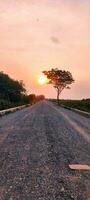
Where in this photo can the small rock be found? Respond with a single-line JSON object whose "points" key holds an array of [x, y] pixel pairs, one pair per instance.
{"points": [[72, 197], [62, 189]]}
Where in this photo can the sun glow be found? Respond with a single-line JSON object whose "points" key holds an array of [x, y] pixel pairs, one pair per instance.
{"points": [[42, 79]]}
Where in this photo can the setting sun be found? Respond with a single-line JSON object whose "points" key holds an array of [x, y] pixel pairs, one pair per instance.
{"points": [[42, 79]]}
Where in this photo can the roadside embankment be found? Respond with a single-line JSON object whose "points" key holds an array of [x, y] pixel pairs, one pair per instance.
{"points": [[86, 114], [11, 110]]}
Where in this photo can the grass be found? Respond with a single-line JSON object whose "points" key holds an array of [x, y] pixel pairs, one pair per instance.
{"points": [[83, 105]]}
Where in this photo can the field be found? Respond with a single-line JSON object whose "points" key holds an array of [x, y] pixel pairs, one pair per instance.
{"points": [[83, 105]]}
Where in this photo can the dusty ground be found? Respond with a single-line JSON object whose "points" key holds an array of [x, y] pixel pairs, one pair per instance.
{"points": [[37, 144]]}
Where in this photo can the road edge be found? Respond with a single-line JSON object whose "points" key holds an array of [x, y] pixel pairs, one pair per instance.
{"points": [[83, 113], [11, 110]]}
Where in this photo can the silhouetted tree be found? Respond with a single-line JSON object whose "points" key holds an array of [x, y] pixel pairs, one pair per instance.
{"points": [[40, 97], [10, 89], [32, 98], [60, 79]]}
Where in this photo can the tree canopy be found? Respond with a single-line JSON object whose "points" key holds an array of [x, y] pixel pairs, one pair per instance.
{"points": [[60, 79], [10, 89]]}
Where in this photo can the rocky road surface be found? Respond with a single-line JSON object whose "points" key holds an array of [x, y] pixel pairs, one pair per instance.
{"points": [[37, 144]]}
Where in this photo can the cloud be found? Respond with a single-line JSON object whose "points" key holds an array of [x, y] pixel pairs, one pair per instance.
{"points": [[55, 40]]}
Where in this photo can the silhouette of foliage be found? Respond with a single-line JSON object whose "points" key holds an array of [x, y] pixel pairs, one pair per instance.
{"points": [[40, 97], [33, 98], [12, 92], [60, 79], [11, 89]]}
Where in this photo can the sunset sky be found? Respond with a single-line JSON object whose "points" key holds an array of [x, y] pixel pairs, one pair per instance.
{"points": [[36, 35]]}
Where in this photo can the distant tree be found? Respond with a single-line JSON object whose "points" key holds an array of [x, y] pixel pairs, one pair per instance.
{"points": [[40, 97], [32, 98], [60, 79]]}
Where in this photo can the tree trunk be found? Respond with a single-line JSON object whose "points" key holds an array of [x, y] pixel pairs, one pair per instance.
{"points": [[58, 97]]}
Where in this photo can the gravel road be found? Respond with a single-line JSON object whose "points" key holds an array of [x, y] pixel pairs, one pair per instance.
{"points": [[37, 144]]}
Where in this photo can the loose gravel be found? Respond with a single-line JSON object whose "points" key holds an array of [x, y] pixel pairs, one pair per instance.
{"points": [[37, 144]]}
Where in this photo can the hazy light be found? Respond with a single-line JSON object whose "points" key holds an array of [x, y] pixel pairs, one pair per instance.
{"points": [[42, 79], [39, 35]]}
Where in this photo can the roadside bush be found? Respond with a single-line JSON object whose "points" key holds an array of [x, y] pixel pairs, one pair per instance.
{"points": [[4, 104]]}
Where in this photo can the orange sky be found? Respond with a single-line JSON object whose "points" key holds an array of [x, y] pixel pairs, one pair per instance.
{"points": [[38, 35]]}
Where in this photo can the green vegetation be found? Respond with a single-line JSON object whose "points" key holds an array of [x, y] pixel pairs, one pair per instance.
{"points": [[13, 93], [83, 104]]}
